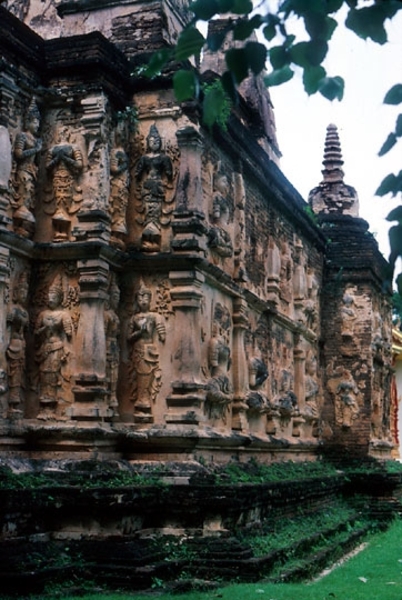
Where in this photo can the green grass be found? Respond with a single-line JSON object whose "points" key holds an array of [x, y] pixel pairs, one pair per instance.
{"points": [[373, 574]]}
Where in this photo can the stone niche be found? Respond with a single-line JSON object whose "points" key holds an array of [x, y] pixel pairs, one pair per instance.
{"points": [[164, 293]]}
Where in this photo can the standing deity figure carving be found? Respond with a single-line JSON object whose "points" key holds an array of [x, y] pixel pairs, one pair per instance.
{"points": [[53, 333], [17, 325], [112, 331], [346, 404], [218, 237], [119, 188], [285, 281], [311, 408], [26, 150], [348, 316], [219, 388], [64, 163], [311, 304], [153, 172], [146, 329], [256, 400]]}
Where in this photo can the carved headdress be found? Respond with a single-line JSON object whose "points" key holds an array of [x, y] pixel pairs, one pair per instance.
{"points": [[32, 112]]}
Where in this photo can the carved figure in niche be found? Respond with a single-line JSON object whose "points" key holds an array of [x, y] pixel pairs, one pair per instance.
{"points": [[17, 325], [286, 401], [64, 164], [53, 332], [119, 187], [258, 374], [112, 332], [348, 316], [153, 173], [285, 282], [311, 304], [378, 342], [299, 282], [26, 149], [311, 410], [273, 271], [346, 404], [219, 388], [218, 237], [146, 328]]}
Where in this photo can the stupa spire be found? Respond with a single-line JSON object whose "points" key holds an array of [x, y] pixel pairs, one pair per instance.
{"points": [[332, 195], [332, 155]]}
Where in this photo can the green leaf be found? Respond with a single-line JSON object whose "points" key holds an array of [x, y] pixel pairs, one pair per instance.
{"points": [[237, 63], [229, 86], [242, 7], [395, 215], [394, 95], [225, 6], [278, 76], [388, 144], [185, 85], [320, 27], [391, 184], [312, 76], [332, 88], [368, 22], [204, 9], [214, 105], [301, 7], [215, 40], [190, 43], [398, 282], [279, 57], [256, 56], [334, 5], [269, 32], [157, 61], [395, 242], [398, 126], [306, 54], [245, 27]]}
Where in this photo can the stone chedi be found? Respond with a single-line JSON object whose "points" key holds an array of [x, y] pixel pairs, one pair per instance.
{"points": [[163, 291]]}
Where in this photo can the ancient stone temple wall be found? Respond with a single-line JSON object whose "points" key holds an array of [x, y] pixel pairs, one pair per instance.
{"points": [[161, 285]]}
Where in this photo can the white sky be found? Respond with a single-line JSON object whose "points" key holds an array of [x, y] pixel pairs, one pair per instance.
{"points": [[363, 122]]}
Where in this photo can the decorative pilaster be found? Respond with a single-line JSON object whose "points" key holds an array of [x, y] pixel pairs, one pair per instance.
{"points": [[239, 367], [189, 221], [90, 382], [186, 402], [93, 218], [5, 171], [240, 274], [4, 280]]}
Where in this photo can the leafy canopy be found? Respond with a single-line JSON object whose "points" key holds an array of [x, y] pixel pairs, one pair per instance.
{"points": [[276, 54]]}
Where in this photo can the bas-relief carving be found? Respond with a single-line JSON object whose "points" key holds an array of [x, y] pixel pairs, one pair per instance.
{"points": [[299, 282], [219, 240], [311, 411], [19, 8], [53, 333], [27, 147], [17, 327], [64, 164], [219, 390], [119, 187], [154, 176], [146, 333], [286, 272], [112, 333], [311, 305], [286, 403], [256, 399]]}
